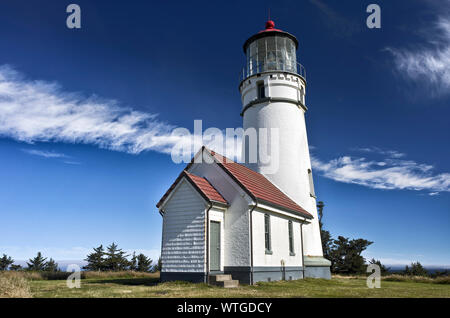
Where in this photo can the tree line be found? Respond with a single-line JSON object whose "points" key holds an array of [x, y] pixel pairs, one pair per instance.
{"points": [[110, 259], [345, 254]]}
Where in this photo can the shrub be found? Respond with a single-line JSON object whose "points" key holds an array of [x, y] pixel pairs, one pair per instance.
{"points": [[417, 279], [118, 274], [442, 280]]}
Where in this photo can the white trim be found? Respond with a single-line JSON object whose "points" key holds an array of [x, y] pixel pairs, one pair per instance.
{"points": [[214, 217], [263, 207]]}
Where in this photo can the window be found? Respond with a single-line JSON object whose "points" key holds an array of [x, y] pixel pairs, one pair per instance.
{"points": [[311, 184], [267, 233], [302, 95], [261, 90], [291, 239]]}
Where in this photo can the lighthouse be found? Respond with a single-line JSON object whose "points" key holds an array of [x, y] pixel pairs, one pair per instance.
{"points": [[273, 90], [231, 223]]}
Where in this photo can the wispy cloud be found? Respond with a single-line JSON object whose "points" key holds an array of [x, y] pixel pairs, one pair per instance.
{"points": [[340, 25], [39, 111], [389, 153], [386, 174], [52, 155], [36, 111], [44, 153], [428, 64]]}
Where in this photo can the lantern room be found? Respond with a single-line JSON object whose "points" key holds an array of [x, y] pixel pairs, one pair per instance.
{"points": [[271, 50]]}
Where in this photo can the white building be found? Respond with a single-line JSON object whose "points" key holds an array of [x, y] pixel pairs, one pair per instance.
{"points": [[250, 221]]}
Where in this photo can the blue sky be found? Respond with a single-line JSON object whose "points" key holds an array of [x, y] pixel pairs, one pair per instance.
{"points": [[86, 116]]}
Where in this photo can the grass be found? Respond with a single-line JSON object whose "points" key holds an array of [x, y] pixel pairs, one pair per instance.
{"points": [[128, 284], [133, 284], [13, 285]]}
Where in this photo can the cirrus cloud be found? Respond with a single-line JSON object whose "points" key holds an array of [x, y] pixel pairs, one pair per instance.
{"points": [[39, 111], [387, 174], [429, 64], [44, 153]]}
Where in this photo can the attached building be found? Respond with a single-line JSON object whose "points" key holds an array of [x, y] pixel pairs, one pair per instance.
{"points": [[222, 217]]}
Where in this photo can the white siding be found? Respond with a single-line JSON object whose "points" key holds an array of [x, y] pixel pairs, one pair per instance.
{"points": [[279, 241], [236, 225], [183, 239]]}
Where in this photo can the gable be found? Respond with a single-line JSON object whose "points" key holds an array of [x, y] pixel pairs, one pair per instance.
{"points": [[201, 185], [183, 194]]}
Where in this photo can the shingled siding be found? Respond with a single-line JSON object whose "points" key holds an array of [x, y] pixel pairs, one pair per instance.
{"points": [[183, 239]]}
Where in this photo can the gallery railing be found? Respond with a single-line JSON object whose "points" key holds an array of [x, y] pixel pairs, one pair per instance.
{"points": [[255, 68]]}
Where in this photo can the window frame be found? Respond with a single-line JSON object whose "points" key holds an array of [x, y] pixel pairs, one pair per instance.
{"points": [[261, 93], [311, 184], [267, 234], [291, 238]]}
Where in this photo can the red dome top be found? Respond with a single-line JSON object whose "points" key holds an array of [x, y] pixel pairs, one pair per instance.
{"points": [[270, 26]]}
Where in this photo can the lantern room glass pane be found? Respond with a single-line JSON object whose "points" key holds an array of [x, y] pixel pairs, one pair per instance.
{"points": [[252, 59], [261, 47], [271, 53]]}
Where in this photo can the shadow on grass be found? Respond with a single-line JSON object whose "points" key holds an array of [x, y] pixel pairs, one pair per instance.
{"points": [[133, 281]]}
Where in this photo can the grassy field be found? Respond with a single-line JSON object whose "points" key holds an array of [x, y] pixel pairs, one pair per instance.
{"points": [[128, 284], [147, 285]]}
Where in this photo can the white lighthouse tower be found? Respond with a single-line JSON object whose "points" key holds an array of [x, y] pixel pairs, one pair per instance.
{"points": [[273, 89]]}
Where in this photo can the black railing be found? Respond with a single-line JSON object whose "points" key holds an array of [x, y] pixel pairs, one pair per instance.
{"points": [[256, 68]]}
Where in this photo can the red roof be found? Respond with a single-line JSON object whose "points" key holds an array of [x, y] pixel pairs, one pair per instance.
{"points": [[257, 185], [254, 183], [206, 187], [201, 184]]}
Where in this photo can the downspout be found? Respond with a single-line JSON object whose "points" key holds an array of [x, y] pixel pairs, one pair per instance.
{"points": [[161, 212], [207, 244], [251, 243], [303, 256]]}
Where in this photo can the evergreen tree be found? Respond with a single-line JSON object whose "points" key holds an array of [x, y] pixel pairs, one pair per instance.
{"points": [[96, 260], [346, 255], [158, 266], [38, 263], [134, 262], [116, 259], [416, 269], [383, 269], [51, 266], [144, 264], [5, 262], [15, 267], [324, 235], [407, 271]]}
